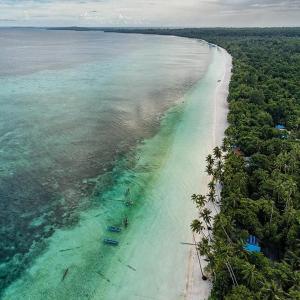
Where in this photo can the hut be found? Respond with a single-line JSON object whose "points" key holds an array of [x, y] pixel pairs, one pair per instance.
{"points": [[280, 127], [252, 244], [237, 151]]}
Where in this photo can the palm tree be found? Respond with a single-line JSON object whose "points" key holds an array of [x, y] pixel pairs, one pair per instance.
{"points": [[218, 171], [271, 290], [289, 189], [217, 152], [212, 196], [199, 260], [281, 162], [209, 170], [284, 188], [249, 274], [224, 222], [206, 215], [212, 185], [293, 257], [205, 248], [197, 226], [194, 197], [209, 159], [199, 200]]}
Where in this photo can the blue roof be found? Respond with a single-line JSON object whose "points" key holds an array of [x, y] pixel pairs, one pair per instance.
{"points": [[252, 248], [280, 126], [252, 239], [252, 244]]}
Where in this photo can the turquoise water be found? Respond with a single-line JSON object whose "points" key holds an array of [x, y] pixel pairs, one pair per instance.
{"points": [[88, 121]]}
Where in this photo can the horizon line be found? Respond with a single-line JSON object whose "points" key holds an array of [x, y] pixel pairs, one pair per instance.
{"points": [[154, 27]]}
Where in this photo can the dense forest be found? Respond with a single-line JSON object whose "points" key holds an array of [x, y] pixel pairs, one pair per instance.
{"points": [[257, 168]]}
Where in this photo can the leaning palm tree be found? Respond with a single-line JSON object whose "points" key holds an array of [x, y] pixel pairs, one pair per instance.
{"points": [[197, 226], [204, 248], [199, 260]]}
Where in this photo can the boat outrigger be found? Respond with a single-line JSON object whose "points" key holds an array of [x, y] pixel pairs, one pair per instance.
{"points": [[128, 200], [114, 229], [125, 221], [111, 242]]}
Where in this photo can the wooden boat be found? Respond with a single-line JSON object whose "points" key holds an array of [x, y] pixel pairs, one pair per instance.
{"points": [[111, 242], [113, 229]]}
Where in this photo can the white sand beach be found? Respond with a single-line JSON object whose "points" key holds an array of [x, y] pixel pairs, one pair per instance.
{"points": [[197, 289]]}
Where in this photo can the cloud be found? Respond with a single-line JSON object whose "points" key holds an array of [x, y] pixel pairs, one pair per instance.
{"points": [[151, 12]]}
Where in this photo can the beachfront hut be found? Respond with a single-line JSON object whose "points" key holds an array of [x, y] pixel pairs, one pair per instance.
{"points": [[252, 244]]}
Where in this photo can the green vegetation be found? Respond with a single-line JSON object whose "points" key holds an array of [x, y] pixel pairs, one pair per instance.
{"points": [[260, 176], [257, 169]]}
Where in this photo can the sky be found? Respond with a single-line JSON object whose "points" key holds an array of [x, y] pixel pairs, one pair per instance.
{"points": [[179, 13]]}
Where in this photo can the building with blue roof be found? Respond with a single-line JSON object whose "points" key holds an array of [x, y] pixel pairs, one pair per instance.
{"points": [[280, 127], [252, 244]]}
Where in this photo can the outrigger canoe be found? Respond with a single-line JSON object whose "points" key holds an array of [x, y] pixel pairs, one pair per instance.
{"points": [[113, 229], [111, 242]]}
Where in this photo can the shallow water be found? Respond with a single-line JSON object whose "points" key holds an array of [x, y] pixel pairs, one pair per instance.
{"points": [[83, 119]]}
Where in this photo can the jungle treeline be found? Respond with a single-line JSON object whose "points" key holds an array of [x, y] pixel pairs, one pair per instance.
{"points": [[257, 168]]}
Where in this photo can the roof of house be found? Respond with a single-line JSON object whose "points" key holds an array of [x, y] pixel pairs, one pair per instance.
{"points": [[252, 248], [237, 151], [252, 244], [280, 126]]}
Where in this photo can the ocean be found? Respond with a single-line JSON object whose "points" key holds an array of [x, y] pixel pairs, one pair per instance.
{"points": [[95, 128]]}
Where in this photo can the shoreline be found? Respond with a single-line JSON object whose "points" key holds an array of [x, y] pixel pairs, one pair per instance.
{"points": [[169, 271], [196, 288]]}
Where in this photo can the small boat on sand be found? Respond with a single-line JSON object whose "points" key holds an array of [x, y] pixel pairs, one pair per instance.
{"points": [[114, 229], [111, 242]]}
